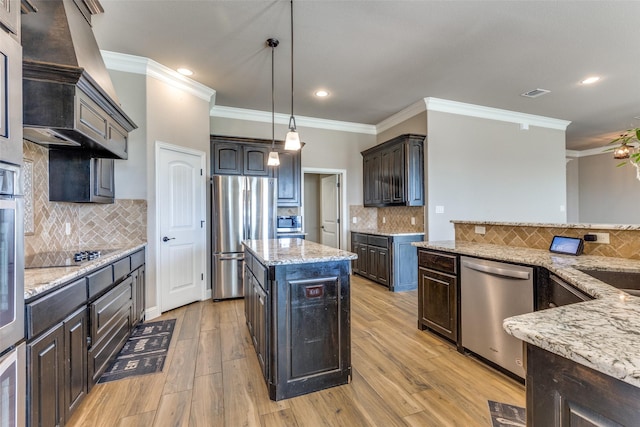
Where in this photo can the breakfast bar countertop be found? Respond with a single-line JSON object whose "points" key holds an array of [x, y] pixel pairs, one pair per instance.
{"points": [[601, 334], [294, 251], [386, 233], [40, 280]]}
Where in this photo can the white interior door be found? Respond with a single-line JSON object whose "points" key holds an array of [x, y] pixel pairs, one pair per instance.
{"points": [[329, 211], [181, 214]]}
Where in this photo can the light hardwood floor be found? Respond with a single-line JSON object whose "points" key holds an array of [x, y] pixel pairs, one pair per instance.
{"points": [[401, 376]]}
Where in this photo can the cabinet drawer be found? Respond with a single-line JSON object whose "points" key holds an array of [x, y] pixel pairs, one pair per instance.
{"points": [[51, 309], [137, 259], [101, 354], [99, 281], [380, 241], [121, 269], [358, 238], [109, 309], [438, 261]]}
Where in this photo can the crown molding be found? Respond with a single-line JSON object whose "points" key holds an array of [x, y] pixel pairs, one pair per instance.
{"points": [[587, 153], [471, 110], [150, 68], [401, 116], [301, 121]]}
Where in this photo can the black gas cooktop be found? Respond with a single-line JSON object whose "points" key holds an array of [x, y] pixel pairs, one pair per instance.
{"points": [[62, 258]]}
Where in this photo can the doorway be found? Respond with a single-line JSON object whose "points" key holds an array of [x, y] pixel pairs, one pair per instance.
{"points": [[181, 211], [323, 206]]}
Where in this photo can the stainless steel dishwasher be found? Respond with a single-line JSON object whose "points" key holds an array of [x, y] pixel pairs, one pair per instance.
{"points": [[492, 291]]}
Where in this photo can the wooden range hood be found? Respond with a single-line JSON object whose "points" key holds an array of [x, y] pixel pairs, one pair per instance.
{"points": [[69, 100]]}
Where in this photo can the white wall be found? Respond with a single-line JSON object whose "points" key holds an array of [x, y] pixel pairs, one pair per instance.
{"points": [[131, 174], [162, 113], [573, 191], [607, 194], [489, 170]]}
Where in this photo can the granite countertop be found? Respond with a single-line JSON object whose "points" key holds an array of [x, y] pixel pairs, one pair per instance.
{"points": [[628, 227], [386, 233], [601, 334], [294, 251], [40, 280]]}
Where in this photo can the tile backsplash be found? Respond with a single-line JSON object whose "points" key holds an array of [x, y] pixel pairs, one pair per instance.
{"points": [[394, 219], [98, 226], [623, 243]]}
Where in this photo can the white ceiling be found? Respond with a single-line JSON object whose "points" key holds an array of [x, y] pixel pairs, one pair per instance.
{"points": [[378, 57]]}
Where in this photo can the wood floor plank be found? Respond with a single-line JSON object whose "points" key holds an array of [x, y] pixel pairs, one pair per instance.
{"points": [[182, 370], [191, 324], [228, 311], [209, 358], [235, 341], [207, 402], [210, 316], [144, 419], [174, 410], [283, 418], [144, 393]]}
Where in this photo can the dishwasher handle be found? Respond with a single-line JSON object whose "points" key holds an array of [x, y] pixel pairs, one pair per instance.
{"points": [[498, 271]]}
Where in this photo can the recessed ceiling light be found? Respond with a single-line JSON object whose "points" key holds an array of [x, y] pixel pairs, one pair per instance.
{"points": [[185, 71], [590, 80], [321, 93]]}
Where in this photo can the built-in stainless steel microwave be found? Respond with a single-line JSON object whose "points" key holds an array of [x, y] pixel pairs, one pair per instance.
{"points": [[289, 224]]}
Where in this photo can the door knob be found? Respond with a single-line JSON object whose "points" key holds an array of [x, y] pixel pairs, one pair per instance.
{"points": [[166, 239]]}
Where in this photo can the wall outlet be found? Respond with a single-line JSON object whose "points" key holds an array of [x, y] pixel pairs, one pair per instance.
{"points": [[601, 238], [439, 209], [67, 228], [384, 219], [480, 229], [354, 220], [413, 220]]}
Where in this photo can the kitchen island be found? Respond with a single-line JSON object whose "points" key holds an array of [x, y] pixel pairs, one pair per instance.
{"points": [[297, 306], [583, 363]]}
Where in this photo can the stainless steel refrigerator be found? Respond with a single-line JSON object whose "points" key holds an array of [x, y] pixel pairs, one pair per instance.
{"points": [[243, 208]]}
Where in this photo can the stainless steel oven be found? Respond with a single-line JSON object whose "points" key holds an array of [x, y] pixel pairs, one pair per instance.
{"points": [[12, 347], [289, 224]]}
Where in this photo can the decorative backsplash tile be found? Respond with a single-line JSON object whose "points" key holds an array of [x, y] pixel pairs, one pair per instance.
{"points": [[397, 219], [91, 225], [623, 243]]}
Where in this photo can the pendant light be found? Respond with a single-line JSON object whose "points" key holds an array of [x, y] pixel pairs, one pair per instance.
{"points": [[292, 141], [622, 152], [274, 159]]}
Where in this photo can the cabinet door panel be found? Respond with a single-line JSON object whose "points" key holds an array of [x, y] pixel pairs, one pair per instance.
{"points": [[227, 159], [104, 178], [397, 174], [255, 161], [45, 361], [288, 174], [382, 264], [75, 351], [437, 299]]}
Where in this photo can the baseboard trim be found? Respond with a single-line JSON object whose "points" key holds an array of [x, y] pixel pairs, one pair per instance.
{"points": [[152, 313]]}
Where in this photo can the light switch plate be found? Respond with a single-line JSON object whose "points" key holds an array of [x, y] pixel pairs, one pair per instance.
{"points": [[439, 209], [480, 229]]}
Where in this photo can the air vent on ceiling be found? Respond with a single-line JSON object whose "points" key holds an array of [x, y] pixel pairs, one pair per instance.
{"points": [[535, 93]]}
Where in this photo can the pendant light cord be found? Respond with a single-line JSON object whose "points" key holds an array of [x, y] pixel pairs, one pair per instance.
{"points": [[273, 104], [292, 119]]}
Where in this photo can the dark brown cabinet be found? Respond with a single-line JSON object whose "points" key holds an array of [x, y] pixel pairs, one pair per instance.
{"points": [[75, 369], [289, 174], [383, 259], [45, 387], [298, 318], [438, 293], [230, 158], [248, 156], [255, 302], [75, 331], [76, 177], [563, 393], [393, 172]]}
